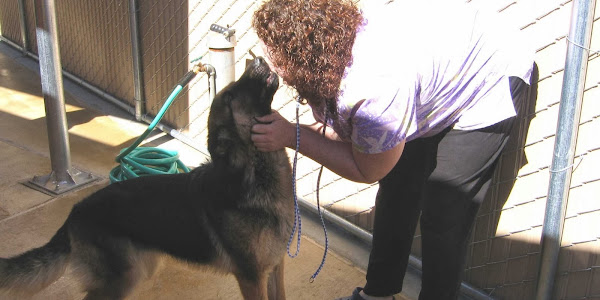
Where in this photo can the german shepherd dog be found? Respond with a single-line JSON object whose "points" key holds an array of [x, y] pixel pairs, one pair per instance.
{"points": [[233, 213]]}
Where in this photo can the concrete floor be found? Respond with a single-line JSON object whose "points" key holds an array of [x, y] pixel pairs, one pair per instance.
{"points": [[97, 132]]}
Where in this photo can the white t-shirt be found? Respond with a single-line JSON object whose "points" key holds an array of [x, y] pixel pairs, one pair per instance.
{"points": [[420, 66]]}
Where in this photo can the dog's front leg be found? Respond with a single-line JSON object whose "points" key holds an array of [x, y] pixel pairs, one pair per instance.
{"points": [[254, 289], [276, 288]]}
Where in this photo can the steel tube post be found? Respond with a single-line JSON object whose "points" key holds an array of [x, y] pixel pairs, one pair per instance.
{"points": [[564, 147], [136, 59], [62, 177], [22, 16], [52, 87]]}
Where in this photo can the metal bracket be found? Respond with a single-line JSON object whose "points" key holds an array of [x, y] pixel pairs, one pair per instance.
{"points": [[51, 185]]}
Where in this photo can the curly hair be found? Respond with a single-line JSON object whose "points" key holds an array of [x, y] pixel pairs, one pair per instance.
{"points": [[310, 42]]}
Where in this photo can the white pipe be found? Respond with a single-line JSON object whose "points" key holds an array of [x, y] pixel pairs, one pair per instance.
{"points": [[221, 53]]}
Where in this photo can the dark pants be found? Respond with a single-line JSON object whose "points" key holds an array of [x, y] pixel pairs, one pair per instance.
{"points": [[444, 179]]}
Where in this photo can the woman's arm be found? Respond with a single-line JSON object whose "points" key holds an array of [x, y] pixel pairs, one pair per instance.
{"points": [[338, 156]]}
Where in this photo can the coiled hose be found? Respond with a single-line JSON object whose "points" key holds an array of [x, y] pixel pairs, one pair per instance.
{"points": [[137, 161]]}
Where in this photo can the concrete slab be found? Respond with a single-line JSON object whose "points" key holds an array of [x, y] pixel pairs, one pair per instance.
{"points": [[174, 280]]}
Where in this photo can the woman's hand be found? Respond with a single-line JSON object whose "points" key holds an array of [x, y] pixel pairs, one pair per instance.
{"points": [[273, 133]]}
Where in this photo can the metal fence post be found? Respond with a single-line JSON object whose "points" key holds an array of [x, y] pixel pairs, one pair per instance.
{"points": [[63, 177], [579, 38], [22, 18], [136, 59]]}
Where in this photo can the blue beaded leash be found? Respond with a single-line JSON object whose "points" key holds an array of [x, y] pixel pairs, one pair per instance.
{"points": [[297, 219]]}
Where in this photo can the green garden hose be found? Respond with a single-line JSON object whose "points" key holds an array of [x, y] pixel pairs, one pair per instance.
{"points": [[137, 161]]}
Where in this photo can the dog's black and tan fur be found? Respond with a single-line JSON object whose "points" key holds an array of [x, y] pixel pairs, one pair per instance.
{"points": [[233, 213]]}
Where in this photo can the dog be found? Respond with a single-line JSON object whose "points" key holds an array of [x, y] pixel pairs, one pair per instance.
{"points": [[233, 214]]}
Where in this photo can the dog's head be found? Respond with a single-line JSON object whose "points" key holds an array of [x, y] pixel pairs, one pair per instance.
{"points": [[234, 111]]}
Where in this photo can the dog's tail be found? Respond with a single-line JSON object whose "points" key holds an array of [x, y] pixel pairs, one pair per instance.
{"points": [[30, 272]]}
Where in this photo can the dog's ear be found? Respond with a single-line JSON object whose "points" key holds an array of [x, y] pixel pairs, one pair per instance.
{"points": [[220, 144], [227, 97], [219, 117], [224, 148]]}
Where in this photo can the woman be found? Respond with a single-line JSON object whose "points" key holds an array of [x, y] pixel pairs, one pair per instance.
{"points": [[418, 94]]}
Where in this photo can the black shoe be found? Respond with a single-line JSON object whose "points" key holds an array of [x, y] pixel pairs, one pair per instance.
{"points": [[355, 295]]}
